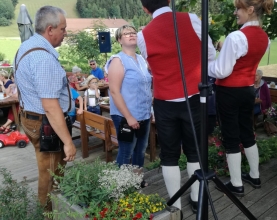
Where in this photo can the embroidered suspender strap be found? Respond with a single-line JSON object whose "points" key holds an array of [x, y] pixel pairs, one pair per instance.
{"points": [[16, 66]]}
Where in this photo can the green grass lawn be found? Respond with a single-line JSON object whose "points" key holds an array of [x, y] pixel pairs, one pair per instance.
{"points": [[32, 6], [9, 48], [273, 54]]}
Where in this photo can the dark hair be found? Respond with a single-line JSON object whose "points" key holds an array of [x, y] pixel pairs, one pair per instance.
{"points": [[153, 5]]}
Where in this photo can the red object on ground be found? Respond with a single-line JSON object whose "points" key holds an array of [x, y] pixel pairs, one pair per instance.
{"points": [[14, 138]]}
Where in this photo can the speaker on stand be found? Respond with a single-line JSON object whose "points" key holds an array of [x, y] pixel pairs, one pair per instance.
{"points": [[104, 40]]}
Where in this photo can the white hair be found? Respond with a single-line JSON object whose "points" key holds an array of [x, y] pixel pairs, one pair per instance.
{"points": [[260, 73], [47, 15], [76, 69]]}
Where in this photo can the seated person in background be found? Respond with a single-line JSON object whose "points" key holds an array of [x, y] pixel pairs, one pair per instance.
{"points": [[77, 72], [72, 113], [4, 85], [92, 97], [12, 92], [106, 80], [75, 84], [262, 100], [96, 71], [4, 80]]}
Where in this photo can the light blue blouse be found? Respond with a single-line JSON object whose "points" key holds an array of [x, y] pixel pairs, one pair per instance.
{"points": [[136, 87]]}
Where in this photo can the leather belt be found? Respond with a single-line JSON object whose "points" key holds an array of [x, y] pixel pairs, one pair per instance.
{"points": [[35, 116]]}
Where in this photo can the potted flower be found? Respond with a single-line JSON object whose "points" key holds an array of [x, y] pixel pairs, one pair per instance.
{"points": [[103, 191]]}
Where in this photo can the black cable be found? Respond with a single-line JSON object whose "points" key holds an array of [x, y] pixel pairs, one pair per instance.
{"points": [[188, 106]]}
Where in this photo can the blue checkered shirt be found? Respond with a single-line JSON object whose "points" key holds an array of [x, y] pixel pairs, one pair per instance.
{"points": [[40, 75]]}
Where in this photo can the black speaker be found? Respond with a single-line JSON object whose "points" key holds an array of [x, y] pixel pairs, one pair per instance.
{"points": [[104, 40]]}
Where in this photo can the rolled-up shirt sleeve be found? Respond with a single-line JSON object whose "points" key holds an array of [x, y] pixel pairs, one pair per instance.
{"points": [[141, 45], [234, 47]]}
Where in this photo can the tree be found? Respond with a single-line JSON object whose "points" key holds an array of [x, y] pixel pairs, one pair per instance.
{"points": [[4, 22], [114, 11], [6, 9], [270, 23], [14, 2], [224, 22]]}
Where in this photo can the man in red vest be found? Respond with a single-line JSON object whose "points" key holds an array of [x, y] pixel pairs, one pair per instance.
{"points": [[157, 44]]}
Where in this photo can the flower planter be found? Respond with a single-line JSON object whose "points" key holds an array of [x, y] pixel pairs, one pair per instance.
{"points": [[60, 205]]}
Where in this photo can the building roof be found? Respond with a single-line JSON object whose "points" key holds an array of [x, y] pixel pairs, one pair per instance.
{"points": [[79, 24]]}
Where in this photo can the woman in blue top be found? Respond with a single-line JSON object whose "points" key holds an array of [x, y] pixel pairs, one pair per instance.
{"points": [[130, 96]]}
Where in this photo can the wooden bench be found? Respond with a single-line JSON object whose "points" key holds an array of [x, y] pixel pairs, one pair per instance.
{"points": [[107, 133], [273, 95]]}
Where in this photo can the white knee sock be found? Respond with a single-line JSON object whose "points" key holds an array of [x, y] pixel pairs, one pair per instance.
{"points": [[252, 155], [234, 164], [191, 167], [172, 179]]}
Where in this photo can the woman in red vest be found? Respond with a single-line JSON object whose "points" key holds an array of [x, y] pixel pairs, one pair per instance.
{"points": [[235, 70]]}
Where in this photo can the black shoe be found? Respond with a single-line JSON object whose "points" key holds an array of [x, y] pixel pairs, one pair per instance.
{"points": [[236, 190], [193, 205], [254, 182]]}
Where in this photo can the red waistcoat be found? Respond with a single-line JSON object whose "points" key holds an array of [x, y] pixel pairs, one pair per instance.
{"points": [[162, 57], [245, 68]]}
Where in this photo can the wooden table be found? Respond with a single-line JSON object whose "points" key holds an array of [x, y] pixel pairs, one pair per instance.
{"points": [[104, 90], [11, 102], [104, 108], [273, 95]]}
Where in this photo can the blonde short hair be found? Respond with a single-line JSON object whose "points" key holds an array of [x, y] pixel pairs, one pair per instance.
{"points": [[118, 33], [4, 73]]}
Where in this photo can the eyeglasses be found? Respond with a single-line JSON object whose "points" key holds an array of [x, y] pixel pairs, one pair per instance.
{"points": [[129, 34], [92, 64]]}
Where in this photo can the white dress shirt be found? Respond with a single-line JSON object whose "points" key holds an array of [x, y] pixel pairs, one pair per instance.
{"points": [[196, 24], [234, 47]]}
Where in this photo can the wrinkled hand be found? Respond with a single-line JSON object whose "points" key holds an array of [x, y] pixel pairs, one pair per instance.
{"points": [[70, 152], [132, 122]]}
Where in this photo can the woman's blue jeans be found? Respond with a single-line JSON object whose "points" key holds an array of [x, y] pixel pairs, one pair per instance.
{"points": [[131, 150]]}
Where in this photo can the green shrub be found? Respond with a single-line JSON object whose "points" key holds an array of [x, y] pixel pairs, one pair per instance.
{"points": [[217, 155], [4, 22], [17, 201], [2, 56]]}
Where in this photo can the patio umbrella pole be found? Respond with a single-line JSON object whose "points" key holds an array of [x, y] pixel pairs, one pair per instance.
{"points": [[204, 174]]}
